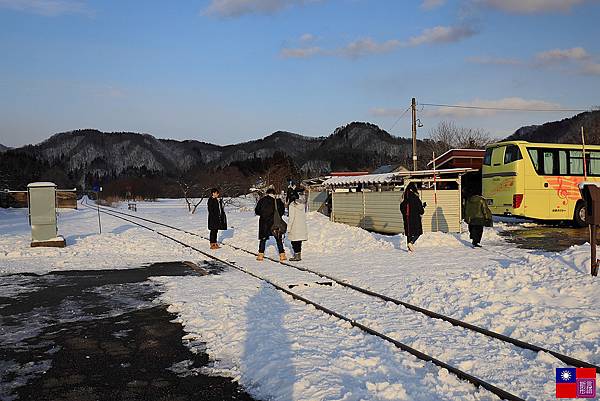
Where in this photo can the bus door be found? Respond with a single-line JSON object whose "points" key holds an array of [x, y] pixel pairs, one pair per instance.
{"points": [[538, 187], [503, 181]]}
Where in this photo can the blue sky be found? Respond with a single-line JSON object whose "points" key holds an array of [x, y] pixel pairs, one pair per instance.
{"points": [[225, 71]]}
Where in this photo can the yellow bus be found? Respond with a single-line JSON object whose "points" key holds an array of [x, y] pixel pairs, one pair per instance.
{"points": [[538, 180]]}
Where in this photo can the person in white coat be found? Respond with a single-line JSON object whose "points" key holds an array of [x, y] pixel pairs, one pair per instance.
{"points": [[297, 228]]}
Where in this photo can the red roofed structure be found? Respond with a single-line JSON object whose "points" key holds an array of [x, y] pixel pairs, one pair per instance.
{"points": [[459, 158]]}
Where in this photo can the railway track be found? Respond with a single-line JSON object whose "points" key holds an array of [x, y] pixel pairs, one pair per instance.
{"points": [[366, 296]]}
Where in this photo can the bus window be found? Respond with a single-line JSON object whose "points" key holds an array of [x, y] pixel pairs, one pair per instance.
{"points": [[594, 164], [498, 155], [562, 162], [548, 162], [576, 162], [533, 154], [487, 158], [511, 154]]}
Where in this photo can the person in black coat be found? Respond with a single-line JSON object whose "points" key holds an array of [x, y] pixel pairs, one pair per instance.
{"points": [[412, 209], [217, 220], [290, 192], [265, 208]]}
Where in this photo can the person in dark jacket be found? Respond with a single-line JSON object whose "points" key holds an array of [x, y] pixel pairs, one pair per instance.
{"points": [[412, 209], [290, 192], [266, 208], [217, 220], [477, 215]]}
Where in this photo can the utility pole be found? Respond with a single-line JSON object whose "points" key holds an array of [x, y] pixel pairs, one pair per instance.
{"points": [[414, 132]]}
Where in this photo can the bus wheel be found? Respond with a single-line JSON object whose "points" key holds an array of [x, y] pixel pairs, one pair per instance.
{"points": [[579, 217]]}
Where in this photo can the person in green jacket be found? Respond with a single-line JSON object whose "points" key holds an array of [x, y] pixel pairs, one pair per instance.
{"points": [[477, 215]]}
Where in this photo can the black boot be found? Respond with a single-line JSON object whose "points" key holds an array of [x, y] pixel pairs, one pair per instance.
{"points": [[297, 257]]}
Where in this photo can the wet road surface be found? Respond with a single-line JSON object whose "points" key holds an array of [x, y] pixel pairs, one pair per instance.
{"points": [[99, 335], [550, 238]]}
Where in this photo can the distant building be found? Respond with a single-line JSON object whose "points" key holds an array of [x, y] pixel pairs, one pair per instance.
{"points": [[463, 158], [459, 158], [390, 168]]}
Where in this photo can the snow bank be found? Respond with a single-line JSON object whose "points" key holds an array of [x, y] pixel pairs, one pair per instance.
{"points": [[121, 244]]}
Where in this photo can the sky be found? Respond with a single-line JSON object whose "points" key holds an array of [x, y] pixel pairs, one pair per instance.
{"points": [[226, 71]]}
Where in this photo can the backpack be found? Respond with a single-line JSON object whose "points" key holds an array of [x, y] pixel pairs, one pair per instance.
{"points": [[279, 226]]}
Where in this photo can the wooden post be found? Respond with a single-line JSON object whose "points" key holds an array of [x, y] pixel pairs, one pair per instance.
{"points": [[414, 132], [584, 162], [98, 207], [594, 260], [437, 224]]}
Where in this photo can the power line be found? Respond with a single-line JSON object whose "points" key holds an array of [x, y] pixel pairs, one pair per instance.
{"points": [[457, 106], [398, 119]]}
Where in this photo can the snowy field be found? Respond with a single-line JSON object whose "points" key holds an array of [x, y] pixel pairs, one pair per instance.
{"points": [[281, 349]]}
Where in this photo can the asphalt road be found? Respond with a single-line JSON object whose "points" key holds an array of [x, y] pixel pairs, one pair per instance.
{"points": [[99, 335]]}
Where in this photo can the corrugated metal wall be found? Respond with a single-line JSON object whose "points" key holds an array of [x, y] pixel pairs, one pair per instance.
{"points": [[446, 216], [380, 211], [317, 201], [348, 208]]}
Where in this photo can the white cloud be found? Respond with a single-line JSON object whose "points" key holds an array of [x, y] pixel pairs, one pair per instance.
{"points": [[367, 46], [236, 8], [307, 38], [493, 60], [431, 4], [301, 52], [591, 68], [517, 103], [359, 48], [48, 8], [555, 55], [531, 6], [442, 34]]}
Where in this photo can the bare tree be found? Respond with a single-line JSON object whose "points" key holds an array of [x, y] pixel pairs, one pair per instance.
{"points": [[195, 193], [448, 135], [277, 175]]}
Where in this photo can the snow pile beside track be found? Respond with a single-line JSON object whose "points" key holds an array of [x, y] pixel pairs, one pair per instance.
{"points": [[281, 349]]}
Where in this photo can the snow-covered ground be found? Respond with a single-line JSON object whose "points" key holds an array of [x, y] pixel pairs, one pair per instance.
{"points": [[282, 349]]}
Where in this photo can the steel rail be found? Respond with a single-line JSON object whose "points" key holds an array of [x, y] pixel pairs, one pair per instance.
{"points": [[477, 382], [435, 315]]}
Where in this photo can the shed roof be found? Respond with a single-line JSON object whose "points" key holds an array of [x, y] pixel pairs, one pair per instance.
{"points": [[360, 179], [392, 177]]}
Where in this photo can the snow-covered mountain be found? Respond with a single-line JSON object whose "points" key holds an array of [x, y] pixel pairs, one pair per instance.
{"points": [[563, 131], [354, 146], [3, 148]]}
